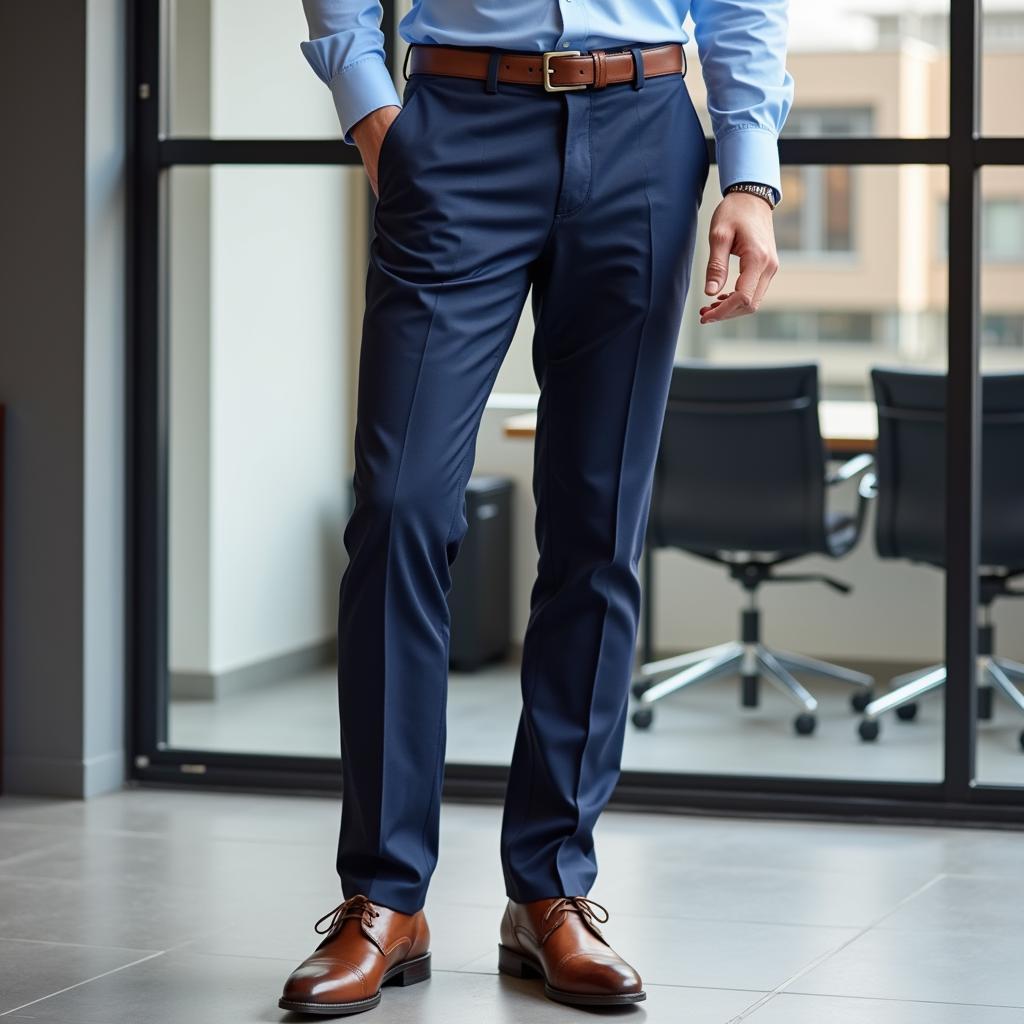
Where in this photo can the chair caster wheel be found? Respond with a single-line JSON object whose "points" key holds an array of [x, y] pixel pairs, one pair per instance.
{"points": [[859, 701], [907, 713], [643, 717], [868, 730], [804, 724], [640, 686]]}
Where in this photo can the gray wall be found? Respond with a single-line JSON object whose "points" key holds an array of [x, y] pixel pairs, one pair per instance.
{"points": [[62, 378]]}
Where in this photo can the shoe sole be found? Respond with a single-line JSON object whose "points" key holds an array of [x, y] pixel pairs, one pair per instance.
{"points": [[408, 972], [519, 966]]}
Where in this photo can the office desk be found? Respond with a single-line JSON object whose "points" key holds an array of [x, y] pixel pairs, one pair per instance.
{"points": [[848, 428]]}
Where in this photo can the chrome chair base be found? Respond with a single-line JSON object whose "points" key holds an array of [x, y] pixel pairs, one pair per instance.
{"points": [[999, 675], [751, 661]]}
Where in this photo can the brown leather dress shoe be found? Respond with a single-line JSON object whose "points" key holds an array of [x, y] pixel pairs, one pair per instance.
{"points": [[558, 940], [366, 946]]}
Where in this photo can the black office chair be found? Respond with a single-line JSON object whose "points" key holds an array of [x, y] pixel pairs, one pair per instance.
{"points": [[910, 518], [740, 479]]}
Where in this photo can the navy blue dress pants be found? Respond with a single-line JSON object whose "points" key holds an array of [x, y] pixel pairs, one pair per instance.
{"points": [[591, 198]]}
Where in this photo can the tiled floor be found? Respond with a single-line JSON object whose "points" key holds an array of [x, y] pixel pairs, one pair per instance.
{"points": [[164, 907]]}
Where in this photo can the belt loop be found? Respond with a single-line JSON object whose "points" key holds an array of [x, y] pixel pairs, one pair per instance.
{"points": [[682, 50], [492, 71], [638, 67]]}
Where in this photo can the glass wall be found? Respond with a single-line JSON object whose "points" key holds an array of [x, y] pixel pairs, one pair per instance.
{"points": [[259, 262], [1000, 722]]}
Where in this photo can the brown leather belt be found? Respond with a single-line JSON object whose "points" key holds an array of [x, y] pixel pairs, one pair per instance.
{"points": [[556, 70]]}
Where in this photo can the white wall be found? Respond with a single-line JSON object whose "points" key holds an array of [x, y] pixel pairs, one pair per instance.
{"points": [[261, 331], [278, 444]]}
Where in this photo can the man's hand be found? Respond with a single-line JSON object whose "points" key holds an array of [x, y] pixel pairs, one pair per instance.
{"points": [[741, 224], [368, 134]]}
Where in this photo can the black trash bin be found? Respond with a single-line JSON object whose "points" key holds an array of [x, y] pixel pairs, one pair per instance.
{"points": [[480, 599]]}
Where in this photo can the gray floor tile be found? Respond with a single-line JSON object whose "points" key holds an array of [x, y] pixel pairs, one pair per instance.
{"points": [[171, 989], [18, 841], [134, 917], [186, 990], [99, 857], [986, 906], [710, 953], [285, 932], [31, 970], [988, 852], [925, 966], [788, 1009], [712, 912], [191, 814], [625, 841], [765, 895]]}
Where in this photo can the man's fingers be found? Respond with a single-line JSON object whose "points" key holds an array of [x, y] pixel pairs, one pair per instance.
{"points": [[766, 279], [742, 298], [721, 239], [756, 270]]}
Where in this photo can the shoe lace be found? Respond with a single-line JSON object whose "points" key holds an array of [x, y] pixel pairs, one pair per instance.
{"points": [[580, 904], [358, 906]]}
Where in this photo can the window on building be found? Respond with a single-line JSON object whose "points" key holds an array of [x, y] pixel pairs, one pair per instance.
{"points": [[817, 214], [1002, 229], [1003, 330], [810, 326]]}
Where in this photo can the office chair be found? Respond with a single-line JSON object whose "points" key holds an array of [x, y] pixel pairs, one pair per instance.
{"points": [[740, 479], [910, 481]]}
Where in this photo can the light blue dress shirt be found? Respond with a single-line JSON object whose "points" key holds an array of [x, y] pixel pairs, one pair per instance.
{"points": [[742, 47]]}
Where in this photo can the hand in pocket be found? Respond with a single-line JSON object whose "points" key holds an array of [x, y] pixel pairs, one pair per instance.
{"points": [[368, 134]]}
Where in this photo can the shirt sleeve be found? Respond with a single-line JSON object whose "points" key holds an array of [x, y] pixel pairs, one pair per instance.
{"points": [[742, 48], [346, 50]]}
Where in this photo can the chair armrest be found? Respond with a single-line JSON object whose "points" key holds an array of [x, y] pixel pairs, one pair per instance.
{"points": [[849, 469]]}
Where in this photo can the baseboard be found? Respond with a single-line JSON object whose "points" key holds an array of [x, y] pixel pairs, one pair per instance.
{"points": [[214, 685], [64, 777]]}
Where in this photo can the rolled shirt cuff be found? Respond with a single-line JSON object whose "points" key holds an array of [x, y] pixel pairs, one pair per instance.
{"points": [[359, 89], [749, 154]]}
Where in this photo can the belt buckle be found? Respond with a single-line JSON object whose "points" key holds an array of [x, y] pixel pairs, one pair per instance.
{"points": [[548, 86]]}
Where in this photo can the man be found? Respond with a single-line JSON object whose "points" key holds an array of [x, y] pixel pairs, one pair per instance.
{"points": [[512, 164]]}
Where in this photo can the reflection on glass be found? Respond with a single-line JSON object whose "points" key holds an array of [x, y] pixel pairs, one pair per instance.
{"points": [[1000, 734]]}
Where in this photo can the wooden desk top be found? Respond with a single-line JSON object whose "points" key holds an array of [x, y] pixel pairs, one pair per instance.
{"points": [[848, 428]]}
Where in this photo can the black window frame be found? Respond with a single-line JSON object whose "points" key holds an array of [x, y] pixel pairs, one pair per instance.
{"points": [[958, 797]]}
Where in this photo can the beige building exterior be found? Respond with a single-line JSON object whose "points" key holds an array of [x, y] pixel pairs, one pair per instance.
{"points": [[862, 249]]}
